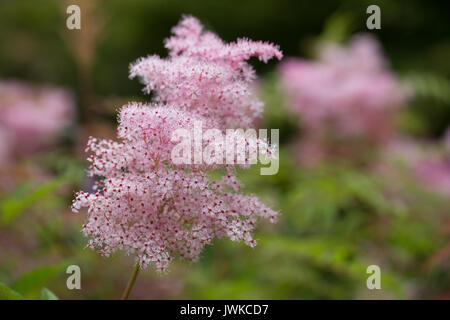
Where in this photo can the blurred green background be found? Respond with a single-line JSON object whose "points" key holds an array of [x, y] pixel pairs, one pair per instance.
{"points": [[336, 219]]}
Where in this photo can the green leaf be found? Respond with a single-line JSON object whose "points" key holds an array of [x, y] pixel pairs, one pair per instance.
{"points": [[6, 293], [32, 281], [46, 294], [24, 197]]}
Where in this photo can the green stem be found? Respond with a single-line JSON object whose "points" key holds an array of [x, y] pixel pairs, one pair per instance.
{"points": [[131, 282]]}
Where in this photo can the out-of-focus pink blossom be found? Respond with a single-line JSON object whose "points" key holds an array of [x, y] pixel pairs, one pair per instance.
{"points": [[447, 141], [430, 164], [348, 91], [436, 173], [5, 145], [150, 206], [32, 116], [405, 151]]}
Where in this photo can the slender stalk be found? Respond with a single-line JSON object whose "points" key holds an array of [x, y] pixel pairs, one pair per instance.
{"points": [[127, 291]]}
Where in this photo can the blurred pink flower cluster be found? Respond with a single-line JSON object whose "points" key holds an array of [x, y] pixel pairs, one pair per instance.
{"points": [[145, 203], [347, 93], [427, 162], [31, 117], [435, 171]]}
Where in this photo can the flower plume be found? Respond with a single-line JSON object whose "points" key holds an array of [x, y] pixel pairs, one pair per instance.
{"points": [[145, 203]]}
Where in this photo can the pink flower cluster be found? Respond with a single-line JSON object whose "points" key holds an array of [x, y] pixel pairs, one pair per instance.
{"points": [[436, 174], [348, 91], [430, 164], [146, 204], [206, 76], [31, 117], [435, 171]]}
